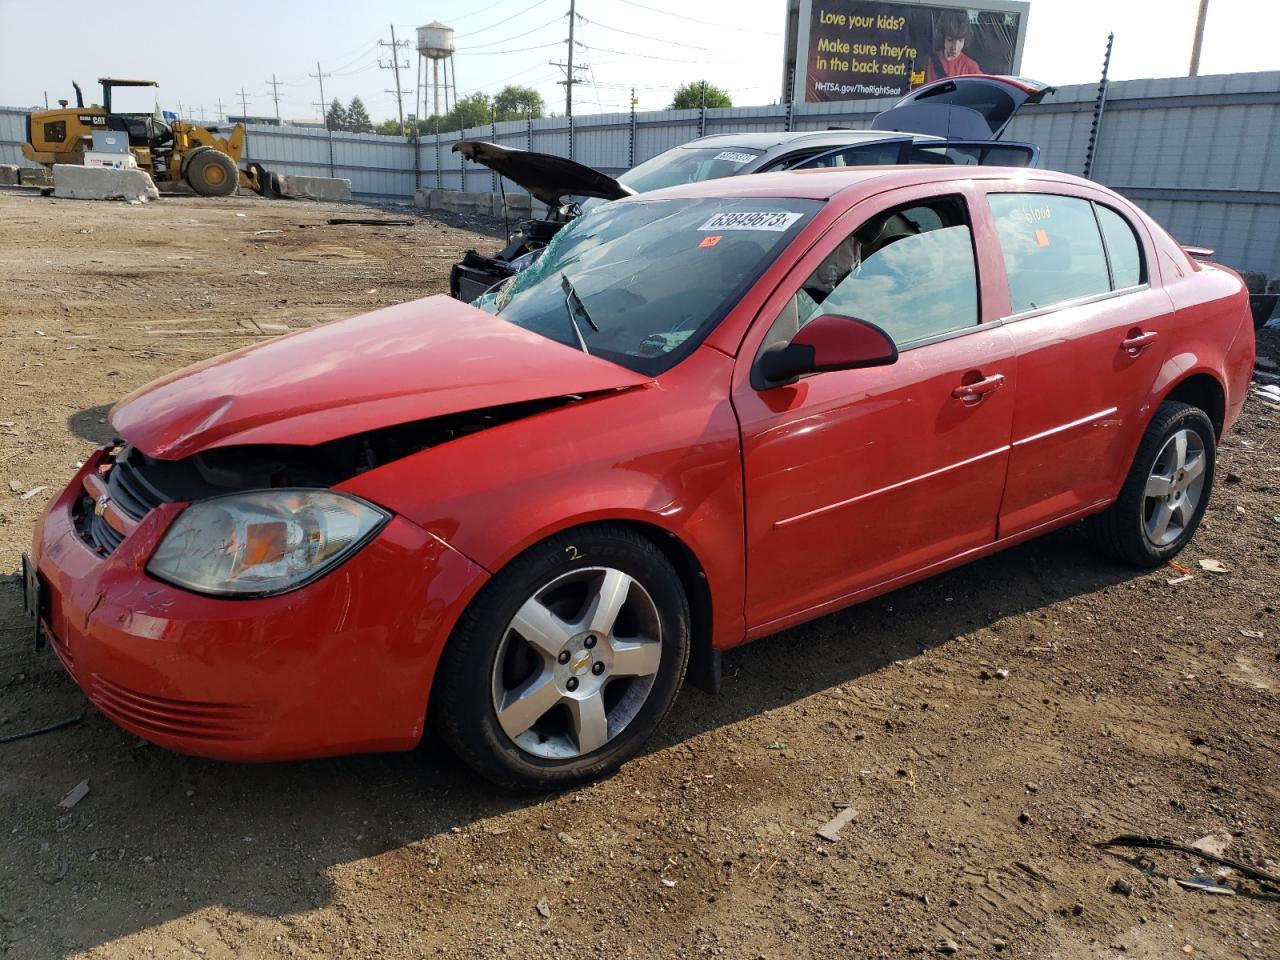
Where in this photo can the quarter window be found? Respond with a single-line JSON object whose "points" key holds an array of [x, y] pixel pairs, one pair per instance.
{"points": [[1122, 248], [1052, 249], [910, 271]]}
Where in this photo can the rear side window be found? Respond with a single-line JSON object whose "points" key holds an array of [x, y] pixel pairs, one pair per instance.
{"points": [[1052, 249], [862, 155], [1122, 248]]}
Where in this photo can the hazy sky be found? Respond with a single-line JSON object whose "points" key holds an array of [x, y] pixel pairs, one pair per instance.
{"points": [[651, 44]]}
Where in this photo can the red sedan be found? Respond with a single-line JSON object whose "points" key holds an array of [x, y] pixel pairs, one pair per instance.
{"points": [[705, 414]]}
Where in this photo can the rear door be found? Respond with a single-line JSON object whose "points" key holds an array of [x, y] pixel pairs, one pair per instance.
{"points": [[1090, 334], [856, 478]]}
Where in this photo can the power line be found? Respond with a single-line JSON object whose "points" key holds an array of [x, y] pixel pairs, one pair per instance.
{"points": [[244, 102], [495, 53], [709, 23], [523, 33], [505, 20], [648, 56], [642, 36]]}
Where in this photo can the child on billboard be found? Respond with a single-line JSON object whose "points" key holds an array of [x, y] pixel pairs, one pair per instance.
{"points": [[949, 59]]}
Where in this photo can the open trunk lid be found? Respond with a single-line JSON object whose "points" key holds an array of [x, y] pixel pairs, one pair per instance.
{"points": [[547, 178], [977, 107]]}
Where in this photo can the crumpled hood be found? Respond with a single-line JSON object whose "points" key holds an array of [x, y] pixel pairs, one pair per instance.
{"points": [[413, 361]]}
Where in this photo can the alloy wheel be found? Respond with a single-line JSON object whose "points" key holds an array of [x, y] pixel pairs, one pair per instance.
{"points": [[1174, 487], [577, 663]]}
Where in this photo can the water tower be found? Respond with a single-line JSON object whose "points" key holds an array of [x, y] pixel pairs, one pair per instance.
{"points": [[435, 42]]}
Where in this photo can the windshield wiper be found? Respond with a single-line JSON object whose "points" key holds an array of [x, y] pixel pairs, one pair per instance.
{"points": [[573, 303]]}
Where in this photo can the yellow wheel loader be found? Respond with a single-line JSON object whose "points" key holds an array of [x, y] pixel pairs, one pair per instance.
{"points": [[172, 152]]}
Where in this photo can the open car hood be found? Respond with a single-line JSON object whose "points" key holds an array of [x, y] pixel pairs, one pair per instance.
{"points": [[976, 107], [414, 361], [546, 177]]}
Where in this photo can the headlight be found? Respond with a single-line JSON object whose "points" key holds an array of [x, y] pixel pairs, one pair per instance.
{"points": [[262, 543]]}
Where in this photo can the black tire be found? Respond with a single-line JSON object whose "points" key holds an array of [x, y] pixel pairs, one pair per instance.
{"points": [[463, 710], [211, 173], [1120, 531]]}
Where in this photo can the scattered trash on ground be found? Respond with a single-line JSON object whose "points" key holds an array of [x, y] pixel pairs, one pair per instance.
{"points": [[830, 830], [1157, 843], [544, 909], [77, 793], [1174, 581], [32, 492], [368, 222], [1209, 565], [1179, 567], [1203, 884]]}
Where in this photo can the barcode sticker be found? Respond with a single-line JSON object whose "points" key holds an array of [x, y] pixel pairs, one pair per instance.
{"points": [[735, 157], [775, 220]]}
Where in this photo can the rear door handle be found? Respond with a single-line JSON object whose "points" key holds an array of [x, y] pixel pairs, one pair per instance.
{"points": [[972, 393], [1137, 341]]}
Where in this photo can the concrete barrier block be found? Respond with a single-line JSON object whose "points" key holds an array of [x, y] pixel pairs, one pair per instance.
{"points": [[102, 183], [313, 188], [35, 176], [8, 174]]}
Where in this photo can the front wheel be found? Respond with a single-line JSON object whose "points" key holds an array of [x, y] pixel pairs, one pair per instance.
{"points": [[566, 661], [212, 173], [1165, 495]]}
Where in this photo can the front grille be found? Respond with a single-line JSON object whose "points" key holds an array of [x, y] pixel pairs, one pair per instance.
{"points": [[129, 488], [123, 485], [150, 715]]}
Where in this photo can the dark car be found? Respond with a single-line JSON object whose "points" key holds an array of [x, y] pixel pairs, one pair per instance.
{"points": [[952, 121]]}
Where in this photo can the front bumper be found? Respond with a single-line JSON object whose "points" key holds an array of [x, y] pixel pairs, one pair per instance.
{"points": [[342, 665]]}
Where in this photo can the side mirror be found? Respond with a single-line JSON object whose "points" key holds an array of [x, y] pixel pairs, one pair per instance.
{"points": [[828, 342]]}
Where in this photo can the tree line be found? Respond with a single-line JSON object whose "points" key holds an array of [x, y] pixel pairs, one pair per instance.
{"points": [[512, 102]]}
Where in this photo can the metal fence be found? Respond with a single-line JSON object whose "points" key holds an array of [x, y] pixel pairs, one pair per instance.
{"points": [[1202, 154]]}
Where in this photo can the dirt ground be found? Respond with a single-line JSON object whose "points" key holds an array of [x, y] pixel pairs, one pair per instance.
{"points": [[1130, 705]]}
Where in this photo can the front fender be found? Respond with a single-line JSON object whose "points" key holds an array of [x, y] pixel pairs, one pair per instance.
{"points": [[666, 455]]}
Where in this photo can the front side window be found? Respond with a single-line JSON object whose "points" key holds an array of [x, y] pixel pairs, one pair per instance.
{"points": [[643, 281], [1052, 249], [687, 165], [910, 271], [55, 132]]}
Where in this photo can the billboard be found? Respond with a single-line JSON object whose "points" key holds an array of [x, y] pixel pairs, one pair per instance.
{"points": [[861, 49]]}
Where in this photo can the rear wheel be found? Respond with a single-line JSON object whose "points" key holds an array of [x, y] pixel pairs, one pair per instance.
{"points": [[212, 173], [1166, 492], [566, 661]]}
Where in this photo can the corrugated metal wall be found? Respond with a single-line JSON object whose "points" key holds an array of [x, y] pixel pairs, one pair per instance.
{"points": [[1200, 153]]}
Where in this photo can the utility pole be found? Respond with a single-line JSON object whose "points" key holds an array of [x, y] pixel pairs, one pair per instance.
{"points": [[568, 86], [275, 94], [221, 112], [395, 65], [1199, 39], [244, 103], [324, 110]]}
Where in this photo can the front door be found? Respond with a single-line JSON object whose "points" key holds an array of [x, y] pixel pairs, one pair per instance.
{"points": [[855, 478]]}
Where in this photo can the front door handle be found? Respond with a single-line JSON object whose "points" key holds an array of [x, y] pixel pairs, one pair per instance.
{"points": [[1137, 340], [972, 393]]}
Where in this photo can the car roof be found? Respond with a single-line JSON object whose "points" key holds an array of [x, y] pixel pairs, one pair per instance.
{"points": [[827, 183], [768, 140]]}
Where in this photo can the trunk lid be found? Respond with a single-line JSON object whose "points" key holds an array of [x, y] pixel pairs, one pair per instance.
{"points": [[975, 107]]}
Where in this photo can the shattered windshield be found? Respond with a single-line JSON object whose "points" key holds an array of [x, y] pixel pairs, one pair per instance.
{"points": [[653, 276], [687, 165]]}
